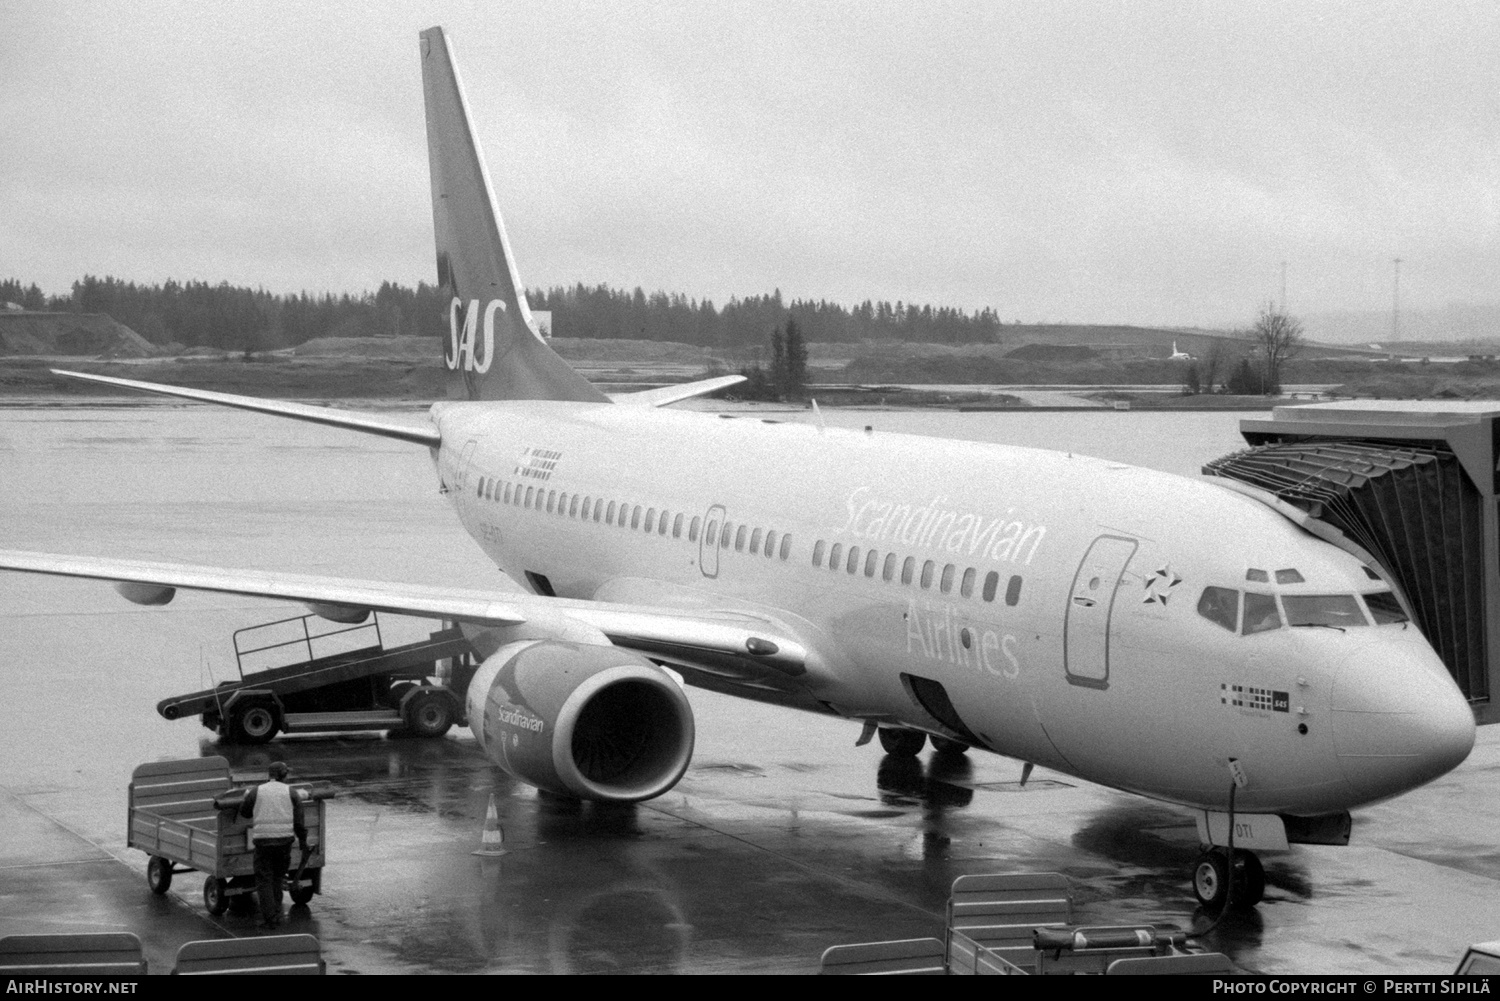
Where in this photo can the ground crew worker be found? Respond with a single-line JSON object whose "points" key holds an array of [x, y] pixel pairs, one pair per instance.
{"points": [[276, 815]]}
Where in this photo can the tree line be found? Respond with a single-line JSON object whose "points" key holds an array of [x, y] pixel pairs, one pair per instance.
{"points": [[198, 313]]}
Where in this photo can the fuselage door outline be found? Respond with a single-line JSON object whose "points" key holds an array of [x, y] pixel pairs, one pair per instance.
{"points": [[1091, 602], [708, 549]]}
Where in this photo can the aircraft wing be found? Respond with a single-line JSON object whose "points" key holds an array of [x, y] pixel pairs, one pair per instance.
{"points": [[349, 419], [737, 645], [672, 394]]}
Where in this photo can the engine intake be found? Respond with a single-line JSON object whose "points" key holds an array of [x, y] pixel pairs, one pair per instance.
{"points": [[586, 720]]}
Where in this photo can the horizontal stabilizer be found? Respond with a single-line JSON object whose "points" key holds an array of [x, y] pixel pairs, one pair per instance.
{"points": [[351, 420], [672, 394]]}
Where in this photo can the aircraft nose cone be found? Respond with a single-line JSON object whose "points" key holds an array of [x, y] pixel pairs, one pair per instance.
{"points": [[1398, 719]]}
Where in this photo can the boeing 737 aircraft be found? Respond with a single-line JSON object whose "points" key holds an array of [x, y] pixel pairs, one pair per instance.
{"points": [[1188, 640]]}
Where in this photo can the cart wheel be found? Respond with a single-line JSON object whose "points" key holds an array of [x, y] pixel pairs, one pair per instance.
{"points": [[429, 715], [253, 723], [214, 898], [159, 874]]}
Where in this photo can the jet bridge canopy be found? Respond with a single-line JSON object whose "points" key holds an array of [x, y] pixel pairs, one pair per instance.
{"points": [[1415, 486]]}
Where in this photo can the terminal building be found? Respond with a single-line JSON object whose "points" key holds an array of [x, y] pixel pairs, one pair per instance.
{"points": [[1409, 487]]}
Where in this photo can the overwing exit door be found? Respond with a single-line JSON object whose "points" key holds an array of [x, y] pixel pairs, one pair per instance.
{"points": [[1091, 602], [708, 541]]}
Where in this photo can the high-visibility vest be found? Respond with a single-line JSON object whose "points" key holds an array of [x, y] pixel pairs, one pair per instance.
{"points": [[273, 812]]}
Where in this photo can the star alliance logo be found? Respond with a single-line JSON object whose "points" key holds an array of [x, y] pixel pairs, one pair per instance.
{"points": [[1159, 586]]}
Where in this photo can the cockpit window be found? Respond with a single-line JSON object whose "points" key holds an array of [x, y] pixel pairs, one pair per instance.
{"points": [[1261, 614], [1340, 610], [1289, 576], [1370, 573], [1384, 608], [1258, 576], [1221, 606]]}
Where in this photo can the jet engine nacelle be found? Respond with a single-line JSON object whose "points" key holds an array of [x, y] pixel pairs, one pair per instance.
{"points": [[585, 720]]}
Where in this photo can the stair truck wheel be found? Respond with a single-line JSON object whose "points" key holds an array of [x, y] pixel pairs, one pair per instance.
{"points": [[253, 722], [428, 713]]}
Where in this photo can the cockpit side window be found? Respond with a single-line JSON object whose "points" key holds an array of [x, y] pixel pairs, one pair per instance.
{"points": [[1261, 614], [1221, 606], [1340, 610], [1384, 608]]}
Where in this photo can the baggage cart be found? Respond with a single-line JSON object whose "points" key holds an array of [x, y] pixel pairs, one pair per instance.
{"points": [[185, 816]]}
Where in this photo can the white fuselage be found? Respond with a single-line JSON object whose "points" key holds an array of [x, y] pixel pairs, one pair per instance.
{"points": [[1068, 632]]}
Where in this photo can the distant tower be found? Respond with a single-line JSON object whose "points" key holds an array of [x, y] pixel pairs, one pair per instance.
{"points": [[1396, 301]]}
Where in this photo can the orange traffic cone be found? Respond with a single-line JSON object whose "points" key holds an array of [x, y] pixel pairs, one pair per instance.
{"points": [[493, 841]]}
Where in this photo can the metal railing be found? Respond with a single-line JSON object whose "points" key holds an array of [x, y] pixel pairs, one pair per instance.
{"points": [[305, 641]]}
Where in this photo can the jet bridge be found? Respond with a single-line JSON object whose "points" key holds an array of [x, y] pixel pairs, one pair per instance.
{"points": [[1413, 486]]}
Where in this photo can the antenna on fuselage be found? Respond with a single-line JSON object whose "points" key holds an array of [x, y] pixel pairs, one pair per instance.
{"points": [[818, 416]]}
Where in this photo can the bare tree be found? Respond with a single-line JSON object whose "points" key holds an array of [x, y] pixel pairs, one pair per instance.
{"points": [[1279, 339], [1213, 364]]}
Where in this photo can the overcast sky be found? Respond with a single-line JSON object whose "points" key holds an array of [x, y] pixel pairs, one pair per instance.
{"points": [[1139, 163]]}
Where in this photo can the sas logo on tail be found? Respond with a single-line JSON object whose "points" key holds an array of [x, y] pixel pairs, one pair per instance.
{"points": [[473, 347], [471, 343]]}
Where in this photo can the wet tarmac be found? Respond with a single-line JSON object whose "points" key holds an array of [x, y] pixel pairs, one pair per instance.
{"points": [[782, 839]]}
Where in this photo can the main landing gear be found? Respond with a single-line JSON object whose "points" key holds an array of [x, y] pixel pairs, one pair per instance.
{"points": [[1212, 877]]}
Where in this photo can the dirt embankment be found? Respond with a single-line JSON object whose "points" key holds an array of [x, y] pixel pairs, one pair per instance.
{"points": [[91, 334]]}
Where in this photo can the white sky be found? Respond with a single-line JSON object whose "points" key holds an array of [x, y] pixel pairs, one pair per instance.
{"points": [[1139, 163]]}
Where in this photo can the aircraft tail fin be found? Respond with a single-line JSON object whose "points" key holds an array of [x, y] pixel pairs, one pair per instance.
{"points": [[493, 349]]}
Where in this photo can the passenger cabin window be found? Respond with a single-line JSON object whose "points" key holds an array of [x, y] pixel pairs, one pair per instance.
{"points": [[1384, 608], [661, 526], [947, 582], [1221, 606], [711, 536], [507, 493], [853, 565], [1340, 610], [991, 585], [726, 534], [693, 529], [677, 527], [835, 554], [573, 508], [739, 540], [967, 588], [908, 569], [872, 560], [818, 548], [786, 547], [755, 541], [635, 517], [888, 572], [1013, 590], [770, 544], [650, 520], [928, 569], [530, 495], [609, 515], [1261, 614]]}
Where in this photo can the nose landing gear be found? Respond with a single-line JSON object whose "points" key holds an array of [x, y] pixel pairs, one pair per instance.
{"points": [[1212, 877]]}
